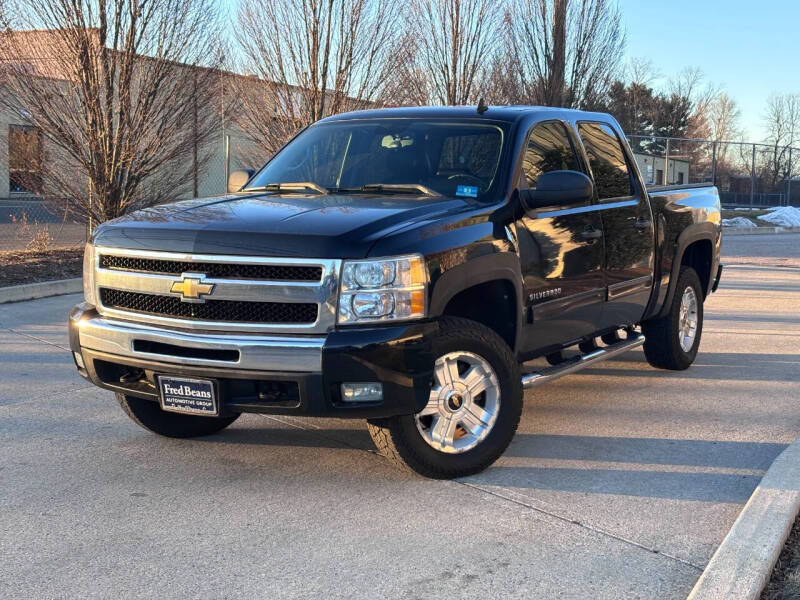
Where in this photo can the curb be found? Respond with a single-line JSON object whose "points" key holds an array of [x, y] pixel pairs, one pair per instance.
{"points": [[742, 565], [32, 291], [758, 230]]}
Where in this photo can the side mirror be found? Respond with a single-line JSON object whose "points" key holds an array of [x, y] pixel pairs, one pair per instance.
{"points": [[560, 188], [238, 178]]}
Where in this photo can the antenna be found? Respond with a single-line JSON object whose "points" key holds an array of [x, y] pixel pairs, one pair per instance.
{"points": [[482, 106]]}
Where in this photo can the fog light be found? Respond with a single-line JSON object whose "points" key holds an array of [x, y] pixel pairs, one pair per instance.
{"points": [[79, 360], [362, 392]]}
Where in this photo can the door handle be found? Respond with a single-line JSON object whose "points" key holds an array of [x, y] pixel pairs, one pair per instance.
{"points": [[591, 234], [642, 225]]}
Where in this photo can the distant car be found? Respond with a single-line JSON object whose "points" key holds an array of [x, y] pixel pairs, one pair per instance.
{"points": [[400, 266]]}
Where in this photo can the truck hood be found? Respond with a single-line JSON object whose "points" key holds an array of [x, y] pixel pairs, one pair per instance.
{"points": [[291, 225]]}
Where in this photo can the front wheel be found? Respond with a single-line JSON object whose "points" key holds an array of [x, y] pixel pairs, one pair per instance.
{"points": [[473, 409], [148, 414], [671, 342]]}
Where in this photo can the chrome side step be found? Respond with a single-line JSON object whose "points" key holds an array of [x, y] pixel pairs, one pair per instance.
{"points": [[572, 365]]}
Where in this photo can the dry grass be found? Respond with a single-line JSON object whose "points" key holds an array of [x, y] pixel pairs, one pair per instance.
{"points": [[785, 581], [31, 266]]}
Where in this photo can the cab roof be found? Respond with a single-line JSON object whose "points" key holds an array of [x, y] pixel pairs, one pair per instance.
{"points": [[493, 113]]}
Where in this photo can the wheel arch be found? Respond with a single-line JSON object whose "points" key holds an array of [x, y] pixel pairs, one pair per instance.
{"points": [[488, 290], [694, 248]]}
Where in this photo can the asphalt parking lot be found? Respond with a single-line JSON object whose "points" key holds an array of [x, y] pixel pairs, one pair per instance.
{"points": [[621, 481]]}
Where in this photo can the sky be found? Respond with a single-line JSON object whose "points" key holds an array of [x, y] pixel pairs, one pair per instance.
{"points": [[749, 49]]}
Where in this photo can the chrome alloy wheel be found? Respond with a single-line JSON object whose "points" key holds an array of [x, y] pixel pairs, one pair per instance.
{"points": [[463, 404], [687, 319]]}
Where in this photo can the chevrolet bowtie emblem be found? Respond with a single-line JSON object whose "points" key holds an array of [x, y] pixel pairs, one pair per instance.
{"points": [[192, 288]]}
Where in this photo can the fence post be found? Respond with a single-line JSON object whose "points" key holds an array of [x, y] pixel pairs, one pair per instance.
{"points": [[227, 161], [714, 163], [789, 187], [666, 163], [753, 177], [89, 223]]}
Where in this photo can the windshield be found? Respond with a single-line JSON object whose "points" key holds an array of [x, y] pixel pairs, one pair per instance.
{"points": [[389, 156]]}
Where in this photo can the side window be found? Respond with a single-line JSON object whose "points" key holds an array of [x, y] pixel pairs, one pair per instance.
{"points": [[548, 149], [611, 177]]}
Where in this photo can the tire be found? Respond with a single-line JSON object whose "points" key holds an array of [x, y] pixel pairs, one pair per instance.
{"points": [[148, 414], [470, 445], [663, 340]]}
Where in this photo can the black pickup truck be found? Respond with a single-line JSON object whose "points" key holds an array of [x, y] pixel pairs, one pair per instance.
{"points": [[401, 266]]}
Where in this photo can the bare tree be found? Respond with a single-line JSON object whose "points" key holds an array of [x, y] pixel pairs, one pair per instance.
{"points": [[114, 89], [310, 59], [451, 44], [564, 52], [782, 123], [724, 119]]}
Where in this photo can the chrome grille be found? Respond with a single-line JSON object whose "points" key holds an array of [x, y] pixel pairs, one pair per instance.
{"points": [[221, 270], [282, 295], [212, 310]]}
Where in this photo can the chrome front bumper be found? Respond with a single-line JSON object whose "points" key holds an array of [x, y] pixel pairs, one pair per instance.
{"points": [[306, 371], [254, 352]]}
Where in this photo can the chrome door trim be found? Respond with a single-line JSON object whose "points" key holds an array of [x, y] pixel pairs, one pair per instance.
{"points": [[623, 288], [558, 306], [587, 209]]}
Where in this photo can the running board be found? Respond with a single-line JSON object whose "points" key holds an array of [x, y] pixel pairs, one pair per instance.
{"points": [[578, 363]]}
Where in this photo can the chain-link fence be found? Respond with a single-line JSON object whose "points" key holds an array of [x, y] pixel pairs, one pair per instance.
{"points": [[29, 223], [747, 174]]}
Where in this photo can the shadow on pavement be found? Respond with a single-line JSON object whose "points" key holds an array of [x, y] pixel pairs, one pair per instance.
{"points": [[535, 449], [724, 366], [701, 485], [705, 487]]}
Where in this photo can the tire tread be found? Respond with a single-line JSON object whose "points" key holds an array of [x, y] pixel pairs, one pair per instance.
{"points": [[661, 346]]}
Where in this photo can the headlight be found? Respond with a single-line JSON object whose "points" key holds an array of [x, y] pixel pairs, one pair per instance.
{"points": [[88, 275], [387, 289]]}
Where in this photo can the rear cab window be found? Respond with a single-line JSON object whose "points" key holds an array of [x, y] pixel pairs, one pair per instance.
{"points": [[612, 178]]}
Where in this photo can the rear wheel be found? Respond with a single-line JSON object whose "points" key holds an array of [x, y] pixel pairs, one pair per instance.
{"points": [[473, 409], [671, 342], [148, 414]]}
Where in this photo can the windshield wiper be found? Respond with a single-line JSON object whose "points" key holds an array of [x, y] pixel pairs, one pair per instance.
{"points": [[288, 187], [399, 188]]}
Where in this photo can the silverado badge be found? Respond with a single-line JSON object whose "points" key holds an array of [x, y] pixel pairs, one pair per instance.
{"points": [[192, 288]]}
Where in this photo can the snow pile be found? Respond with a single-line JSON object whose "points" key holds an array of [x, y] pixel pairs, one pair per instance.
{"points": [[738, 222], [785, 216]]}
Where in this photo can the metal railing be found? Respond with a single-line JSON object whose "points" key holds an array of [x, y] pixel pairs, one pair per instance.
{"points": [[746, 174], [30, 223]]}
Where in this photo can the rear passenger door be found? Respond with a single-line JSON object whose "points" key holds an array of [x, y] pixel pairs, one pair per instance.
{"points": [[561, 249], [627, 225]]}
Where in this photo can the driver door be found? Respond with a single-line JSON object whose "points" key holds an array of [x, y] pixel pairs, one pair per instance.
{"points": [[561, 250]]}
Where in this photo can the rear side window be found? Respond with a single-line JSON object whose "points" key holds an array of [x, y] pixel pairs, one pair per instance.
{"points": [[548, 149], [611, 177]]}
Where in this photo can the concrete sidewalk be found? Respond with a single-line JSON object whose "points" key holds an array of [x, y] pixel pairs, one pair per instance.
{"points": [[621, 482]]}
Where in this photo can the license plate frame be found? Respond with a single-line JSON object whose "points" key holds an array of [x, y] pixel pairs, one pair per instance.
{"points": [[175, 395]]}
